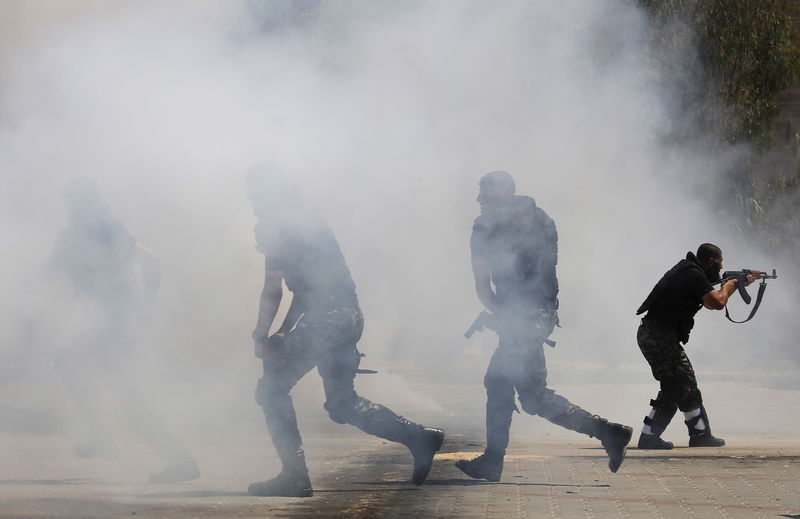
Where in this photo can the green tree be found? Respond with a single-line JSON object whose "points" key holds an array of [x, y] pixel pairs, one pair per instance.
{"points": [[729, 60], [738, 55]]}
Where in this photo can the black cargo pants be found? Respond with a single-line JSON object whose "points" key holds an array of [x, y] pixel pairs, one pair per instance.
{"points": [[326, 340], [518, 364]]}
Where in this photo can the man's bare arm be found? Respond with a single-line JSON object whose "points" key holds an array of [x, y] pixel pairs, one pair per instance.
{"points": [[483, 283], [717, 299]]}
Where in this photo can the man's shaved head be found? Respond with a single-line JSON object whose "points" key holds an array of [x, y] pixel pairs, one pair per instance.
{"points": [[706, 251]]}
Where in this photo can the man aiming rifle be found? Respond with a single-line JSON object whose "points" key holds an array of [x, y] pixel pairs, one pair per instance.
{"points": [[670, 309]]}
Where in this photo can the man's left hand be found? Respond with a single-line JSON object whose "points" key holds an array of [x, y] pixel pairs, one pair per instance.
{"points": [[751, 278]]}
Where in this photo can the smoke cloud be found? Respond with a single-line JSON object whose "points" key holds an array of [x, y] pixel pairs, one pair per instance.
{"points": [[385, 114]]}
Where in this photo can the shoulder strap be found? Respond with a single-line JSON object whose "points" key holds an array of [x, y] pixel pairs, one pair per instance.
{"points": [[762, 287]]}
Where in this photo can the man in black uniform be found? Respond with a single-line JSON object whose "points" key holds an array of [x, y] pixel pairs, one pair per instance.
{"points": [[671, 307], [321, 328], [99, 255], [515, 247]]}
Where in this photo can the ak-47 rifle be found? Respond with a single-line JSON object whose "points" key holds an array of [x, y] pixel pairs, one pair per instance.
{"points": [[741, 279]]}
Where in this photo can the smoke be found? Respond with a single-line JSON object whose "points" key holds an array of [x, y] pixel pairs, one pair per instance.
{"points": [[385, 114]]}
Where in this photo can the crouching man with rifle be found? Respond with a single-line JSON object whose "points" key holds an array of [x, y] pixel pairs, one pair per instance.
{"points": [[671, 307]]}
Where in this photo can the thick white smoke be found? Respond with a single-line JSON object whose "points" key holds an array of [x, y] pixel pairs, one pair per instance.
{"points": [[386, 115]]}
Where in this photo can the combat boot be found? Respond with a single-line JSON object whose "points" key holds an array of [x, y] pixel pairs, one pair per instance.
{"points": [[423, 447], [486, 466], [655, 425], [702, 437], [293, 480], [614, 437], [653, 442], [705, 439], [294, 483]]}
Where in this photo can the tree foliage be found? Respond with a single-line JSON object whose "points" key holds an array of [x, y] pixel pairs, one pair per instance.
{"points": [[730, 60], [739, 54]]}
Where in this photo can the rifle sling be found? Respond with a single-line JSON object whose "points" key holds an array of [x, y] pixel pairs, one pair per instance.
{"points": [[762, 287]]}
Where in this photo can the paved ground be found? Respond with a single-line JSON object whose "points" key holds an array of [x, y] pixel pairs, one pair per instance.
{"points": [[549, 472], [357, 476]]}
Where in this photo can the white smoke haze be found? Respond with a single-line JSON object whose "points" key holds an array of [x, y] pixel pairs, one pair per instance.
{"points": [[386, 114]]}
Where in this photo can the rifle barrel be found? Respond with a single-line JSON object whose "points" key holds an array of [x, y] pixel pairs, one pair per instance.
{"points": [[763, 275]]}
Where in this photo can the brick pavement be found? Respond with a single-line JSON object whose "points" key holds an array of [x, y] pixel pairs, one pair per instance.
{"points": [[362, 477], [549, 472]]}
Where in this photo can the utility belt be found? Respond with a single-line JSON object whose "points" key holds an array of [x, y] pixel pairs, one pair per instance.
{"points": [[346, 321], [545, 319], [342, 319]]}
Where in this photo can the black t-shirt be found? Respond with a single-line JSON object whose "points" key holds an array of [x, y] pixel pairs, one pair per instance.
{"points": [[311, 261], [678, 296], [521, 247]]}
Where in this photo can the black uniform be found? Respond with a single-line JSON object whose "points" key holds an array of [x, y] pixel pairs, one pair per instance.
{"points": [[521, 248], [671, 307], [96, 252], [314, 269]]}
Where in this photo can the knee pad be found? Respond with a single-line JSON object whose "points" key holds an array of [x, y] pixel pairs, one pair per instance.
{"points": [[659, 401], [662, 403], [692, 401], [341, 408], [675, 392]]}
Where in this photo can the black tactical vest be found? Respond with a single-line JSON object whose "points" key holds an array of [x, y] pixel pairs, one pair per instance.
{"points": [[669, 304]]}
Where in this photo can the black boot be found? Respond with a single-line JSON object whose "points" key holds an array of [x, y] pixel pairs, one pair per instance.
{"points": [[423, 447], [293, 480], [499, 410], [615, 438], [702, 438], [560, 411], [285, 484], [380, 421], [664, 411], [653, 442], [486, 466]]}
